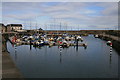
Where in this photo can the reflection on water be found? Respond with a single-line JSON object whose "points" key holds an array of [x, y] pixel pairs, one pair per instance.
{"points": [[94, 61], [110, 58], [15, 53], [30, 47], [60, 57], [60, 49]]}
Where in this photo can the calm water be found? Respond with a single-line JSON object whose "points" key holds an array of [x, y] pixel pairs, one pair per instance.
{"points": [[93, 62]]}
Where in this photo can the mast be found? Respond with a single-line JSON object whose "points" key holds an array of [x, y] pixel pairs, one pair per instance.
{"points": [[78, 29], [71, 28], [36, 27], [46, 27], [30, 24], [66, 27], [54, 23], [60, 25]]}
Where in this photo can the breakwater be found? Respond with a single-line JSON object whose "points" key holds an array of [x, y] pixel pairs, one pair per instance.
{"points": [[115, 40], [9, 69]]}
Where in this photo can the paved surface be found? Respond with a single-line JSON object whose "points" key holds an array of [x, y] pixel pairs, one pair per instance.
{"points": [[0, 56], [9, 69]]}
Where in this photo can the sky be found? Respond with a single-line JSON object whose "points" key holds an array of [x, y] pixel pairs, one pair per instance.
{"points": [[61, 15]]}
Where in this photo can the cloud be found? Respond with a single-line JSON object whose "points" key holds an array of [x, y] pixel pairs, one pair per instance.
{"points": [[60, 1], [97, 14]]}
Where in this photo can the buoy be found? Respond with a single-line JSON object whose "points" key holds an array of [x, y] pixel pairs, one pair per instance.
{"points": [[110, 50], [60, 46], [111, 44]]}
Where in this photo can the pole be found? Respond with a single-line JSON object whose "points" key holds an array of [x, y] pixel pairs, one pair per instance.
{"points": [[36, 25]]}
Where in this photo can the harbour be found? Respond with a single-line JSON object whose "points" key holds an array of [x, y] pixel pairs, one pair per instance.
{"points": [[59, 62], [73, 40], [62, 56]]}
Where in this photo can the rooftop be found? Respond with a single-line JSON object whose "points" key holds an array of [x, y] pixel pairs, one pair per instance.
{"points": [[20, 25]]}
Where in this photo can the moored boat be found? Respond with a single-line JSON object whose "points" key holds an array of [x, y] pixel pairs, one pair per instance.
{"points": [[96, 36], [65, 44]]}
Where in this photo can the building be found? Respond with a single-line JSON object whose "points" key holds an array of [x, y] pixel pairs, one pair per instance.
{"points": [[14, 27], [2, 28]]}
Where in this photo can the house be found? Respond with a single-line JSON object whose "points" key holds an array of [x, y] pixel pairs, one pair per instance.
{"points": [[14, 27], [2, 28]]}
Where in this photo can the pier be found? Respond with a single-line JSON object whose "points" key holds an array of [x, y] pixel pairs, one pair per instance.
{"points": [[9, 69], [111, 37], [115, 40]]}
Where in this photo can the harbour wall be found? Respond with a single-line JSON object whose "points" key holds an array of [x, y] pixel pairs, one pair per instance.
{"points": [[9, 69], [115, 41]]}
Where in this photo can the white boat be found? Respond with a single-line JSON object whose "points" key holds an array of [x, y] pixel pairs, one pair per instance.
{"points": [[65, 44], [67, 38], [96, 36], [72, 38], [80, 38]]}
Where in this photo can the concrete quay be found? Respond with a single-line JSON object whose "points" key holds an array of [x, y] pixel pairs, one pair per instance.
{"points": [[115, 40], [9, 69]]}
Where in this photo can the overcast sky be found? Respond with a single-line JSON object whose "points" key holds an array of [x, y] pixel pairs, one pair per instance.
{"points": [[62, 15]]}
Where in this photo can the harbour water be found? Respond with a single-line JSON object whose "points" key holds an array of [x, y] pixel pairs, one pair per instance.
{"points": [[95, 61]]}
